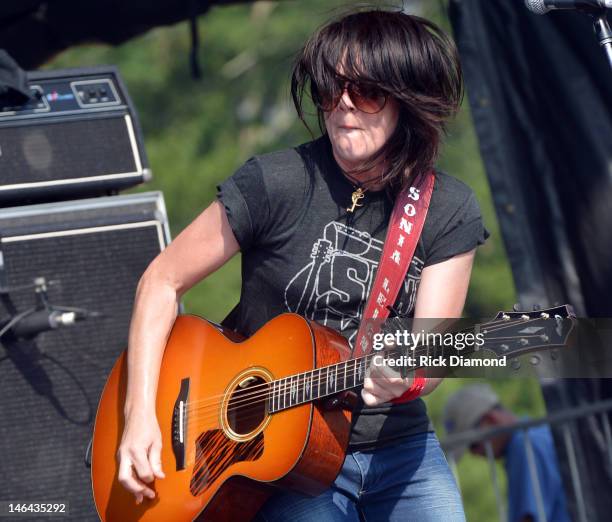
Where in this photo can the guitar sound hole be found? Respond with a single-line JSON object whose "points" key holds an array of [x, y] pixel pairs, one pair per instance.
{"points": [[247, 407]]}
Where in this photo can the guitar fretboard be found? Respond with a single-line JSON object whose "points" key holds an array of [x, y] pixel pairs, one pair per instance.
{"points": [[329, 380], [315, 384]]}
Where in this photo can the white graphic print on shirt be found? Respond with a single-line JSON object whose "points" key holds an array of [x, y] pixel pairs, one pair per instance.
{"points": [[332, 288]]}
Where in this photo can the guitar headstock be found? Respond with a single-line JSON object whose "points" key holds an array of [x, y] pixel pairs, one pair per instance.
{"points": [[515, 333]]}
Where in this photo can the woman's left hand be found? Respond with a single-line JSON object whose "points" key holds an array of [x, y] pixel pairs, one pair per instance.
{"points": [[383, 384], [441, 294]]}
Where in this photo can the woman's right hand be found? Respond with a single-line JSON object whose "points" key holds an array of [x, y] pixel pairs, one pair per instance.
{"points": [[139, 455]]}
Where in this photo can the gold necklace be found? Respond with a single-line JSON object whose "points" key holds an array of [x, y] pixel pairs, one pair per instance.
{"points": [[357, 195]]}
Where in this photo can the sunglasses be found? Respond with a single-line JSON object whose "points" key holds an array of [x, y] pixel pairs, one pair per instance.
{"points": [[364, 97]]}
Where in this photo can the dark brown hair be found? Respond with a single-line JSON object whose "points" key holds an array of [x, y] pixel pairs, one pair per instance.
{"points": [[409, 58]]}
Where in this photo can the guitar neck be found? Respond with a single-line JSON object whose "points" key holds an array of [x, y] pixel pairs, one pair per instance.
{"points": [[329, 380], [510, 334]]}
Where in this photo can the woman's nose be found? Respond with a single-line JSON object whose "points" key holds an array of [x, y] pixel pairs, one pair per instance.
{"points": [[345, 99]]}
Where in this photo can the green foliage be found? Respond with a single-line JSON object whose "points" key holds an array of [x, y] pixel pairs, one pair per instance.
{"points": [[198, 132]]}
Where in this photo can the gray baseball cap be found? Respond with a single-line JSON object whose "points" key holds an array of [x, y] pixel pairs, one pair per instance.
{"points": [[465, 408]]}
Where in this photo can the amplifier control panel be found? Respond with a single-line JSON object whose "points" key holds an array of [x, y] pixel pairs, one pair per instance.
{"points": [[57, 96]]}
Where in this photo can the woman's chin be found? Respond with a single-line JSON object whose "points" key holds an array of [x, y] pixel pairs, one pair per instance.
{"points": [[351, 153]]}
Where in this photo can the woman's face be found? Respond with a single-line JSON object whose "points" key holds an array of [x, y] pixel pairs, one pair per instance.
{"points": [[355, 135]]}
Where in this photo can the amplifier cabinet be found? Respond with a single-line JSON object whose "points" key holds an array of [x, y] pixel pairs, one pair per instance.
{"points": [[91, 253]]}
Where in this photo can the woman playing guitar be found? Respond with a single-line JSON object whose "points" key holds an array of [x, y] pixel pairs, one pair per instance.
{"points": [[310, 223]]}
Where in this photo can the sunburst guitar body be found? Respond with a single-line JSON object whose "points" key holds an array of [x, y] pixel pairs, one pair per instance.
{"points": [[235, 418]]}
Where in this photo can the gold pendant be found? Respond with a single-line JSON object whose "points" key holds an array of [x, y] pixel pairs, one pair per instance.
{"points": [[356, 196]]}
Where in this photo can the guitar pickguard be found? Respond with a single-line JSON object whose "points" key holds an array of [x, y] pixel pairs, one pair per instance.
{"points": [[215, 453]]}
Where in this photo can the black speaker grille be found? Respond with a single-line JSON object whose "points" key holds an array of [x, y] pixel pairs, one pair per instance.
{"points": [[65, 150], [50, 387]]}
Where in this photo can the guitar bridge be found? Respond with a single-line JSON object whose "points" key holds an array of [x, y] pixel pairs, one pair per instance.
{"points": [[179, 425]]}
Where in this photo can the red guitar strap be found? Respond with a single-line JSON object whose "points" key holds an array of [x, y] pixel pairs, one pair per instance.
{"points": [[405, 226]]}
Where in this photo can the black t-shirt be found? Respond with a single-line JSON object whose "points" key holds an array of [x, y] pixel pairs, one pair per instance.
{"points": [[303, 252]]}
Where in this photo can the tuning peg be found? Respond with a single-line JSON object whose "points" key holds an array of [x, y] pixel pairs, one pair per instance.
{"points": [[536, 307], [516, 307]]}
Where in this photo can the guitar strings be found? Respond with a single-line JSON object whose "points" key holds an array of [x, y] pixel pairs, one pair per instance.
{"points": [[263, 389], [261, 395], [254, 389], [503, 324], [292, 388]]}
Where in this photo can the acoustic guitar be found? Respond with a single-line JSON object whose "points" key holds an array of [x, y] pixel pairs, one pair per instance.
{"points": [[240, 418]]}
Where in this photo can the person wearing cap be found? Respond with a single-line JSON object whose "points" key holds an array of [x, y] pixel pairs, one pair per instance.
{"points": [[478, 407]]}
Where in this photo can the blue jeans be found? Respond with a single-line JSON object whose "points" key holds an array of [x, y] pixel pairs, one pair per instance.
{"points": [[410, 481]]}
